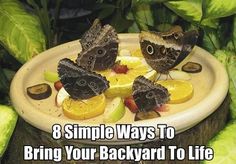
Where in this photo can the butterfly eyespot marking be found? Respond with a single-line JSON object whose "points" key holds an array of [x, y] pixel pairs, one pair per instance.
{"points": [[94, 85], [81, 82], [150, 49], [89, 62], [105, 40], [150, 95], [101, 52], [90, 57]]}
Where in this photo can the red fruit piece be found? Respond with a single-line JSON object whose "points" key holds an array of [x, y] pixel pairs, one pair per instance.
{"points": [[162, 108], [130, 103], [119, 68], [58, 85]]}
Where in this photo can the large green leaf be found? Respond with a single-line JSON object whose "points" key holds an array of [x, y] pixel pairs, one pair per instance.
{"points": [[8, 119], [143, 16], [21, 32], [190, 10], [134, 2], [211, 41], [228, 58], [231, 45], [218, 8]]}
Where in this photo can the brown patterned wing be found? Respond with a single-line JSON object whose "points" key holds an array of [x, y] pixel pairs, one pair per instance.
{"points": [[80, 83], [163, 51], [103, 53], [148, 95], [90, 36]]}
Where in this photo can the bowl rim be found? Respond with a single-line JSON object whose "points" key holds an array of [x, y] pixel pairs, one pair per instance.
{"points": [[208, 105]]}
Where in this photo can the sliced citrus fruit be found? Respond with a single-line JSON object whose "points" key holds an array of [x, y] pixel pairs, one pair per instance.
{"points": [[121, 83], [137, 53], [84, 109], [180, 90]]}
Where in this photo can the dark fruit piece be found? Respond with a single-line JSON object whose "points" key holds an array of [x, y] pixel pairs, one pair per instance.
{"points": [[39, 91], [119, 68], [192, 67], [130, 103], [141, 115], [58, 85]]}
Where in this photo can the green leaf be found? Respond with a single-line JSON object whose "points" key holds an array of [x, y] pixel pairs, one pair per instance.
{"points": [[211, 41], [120, 23], [106, 12], [231, 45], [21, 32], [228, 58], [136, 2], [8, 119], [218, 8], [163, 15], [224, 146], [143, 16], [134, 27], [231, 68], [190, 10]]}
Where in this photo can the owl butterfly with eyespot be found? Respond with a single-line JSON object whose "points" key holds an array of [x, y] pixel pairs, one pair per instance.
{"points": [[164, 51], [79, 82], [99, 47], [148, 95]]}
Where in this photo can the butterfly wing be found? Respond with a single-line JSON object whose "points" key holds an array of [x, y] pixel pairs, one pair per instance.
{"points": [[80, 83], [148, 95], [188, 41], [164, 51], [103, 53], [90, 36]]}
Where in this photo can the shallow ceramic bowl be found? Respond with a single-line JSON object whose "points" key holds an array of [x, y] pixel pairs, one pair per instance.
{"points": [[210, 89]]}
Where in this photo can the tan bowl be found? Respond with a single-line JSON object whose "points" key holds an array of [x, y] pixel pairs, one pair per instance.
{"points": [[210, 89]]}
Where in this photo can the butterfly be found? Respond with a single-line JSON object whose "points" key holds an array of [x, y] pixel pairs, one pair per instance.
{"points": [[148, 95], [79, 82], [99, 47], [163, 51]]}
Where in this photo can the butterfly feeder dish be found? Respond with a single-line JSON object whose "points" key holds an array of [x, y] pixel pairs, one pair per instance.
{"points": [[89, 80]]}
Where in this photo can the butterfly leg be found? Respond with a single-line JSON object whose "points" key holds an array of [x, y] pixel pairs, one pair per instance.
{"points": [[170, 76], [83, 102], [158, 78]]}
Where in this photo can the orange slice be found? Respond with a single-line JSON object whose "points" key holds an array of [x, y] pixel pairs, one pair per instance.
{"points": [[180, 90], [121, 84], [80, 110]]}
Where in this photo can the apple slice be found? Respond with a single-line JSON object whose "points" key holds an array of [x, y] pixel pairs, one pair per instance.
{"points": [[114, 111], [50, 76], [61, 96], [176, 75]]}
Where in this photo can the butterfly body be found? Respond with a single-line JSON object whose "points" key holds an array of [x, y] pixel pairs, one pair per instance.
{"points": [[80, 83], [163, 51], [148, 95], [99, 47]]}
